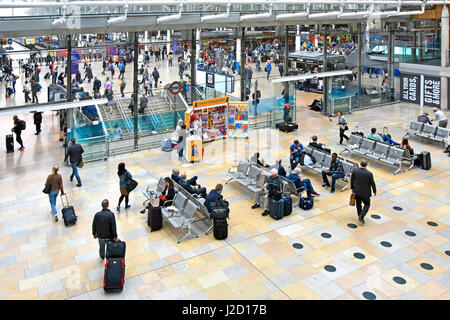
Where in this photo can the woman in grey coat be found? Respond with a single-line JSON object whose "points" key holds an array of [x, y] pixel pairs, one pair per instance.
{"points": [[182, 142]]}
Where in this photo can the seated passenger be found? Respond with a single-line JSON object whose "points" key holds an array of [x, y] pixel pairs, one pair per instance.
{"points": [[296, 150], [213, 196], [259, 162], [168, 192], [447, 143], [275, 180], [296, 177], [186, 186], [388, 139], [318, 146], [176, 177], [405, 145], [336, 171], [374, 135], [281, 171]]}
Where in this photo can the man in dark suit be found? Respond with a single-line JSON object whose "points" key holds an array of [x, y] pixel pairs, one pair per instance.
{"points": [[362, 184]]}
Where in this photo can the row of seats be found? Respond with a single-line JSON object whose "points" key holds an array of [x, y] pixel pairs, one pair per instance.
{"points": [[185, 204], [433, 133], [253, 177], [323, 162], [381, 151]]}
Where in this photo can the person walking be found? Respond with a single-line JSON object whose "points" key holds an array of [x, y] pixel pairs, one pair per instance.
{"points": [[37, 117], [124, 178], [181, 142], [121, 70], [56, 183], [268, 69], [170, 58], [104, 228], [17, 129], [342, 123], [74, 151], [122, 87], [155, 75], [26, 91], [362, 184], [34, 91], [104, 65]]}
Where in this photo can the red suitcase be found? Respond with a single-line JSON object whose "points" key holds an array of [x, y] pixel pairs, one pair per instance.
{"points": [[114, 274]]}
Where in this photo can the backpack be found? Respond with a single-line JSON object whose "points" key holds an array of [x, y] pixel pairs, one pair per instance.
{"points": [[22, 124], [274, 193], [306, 203]]}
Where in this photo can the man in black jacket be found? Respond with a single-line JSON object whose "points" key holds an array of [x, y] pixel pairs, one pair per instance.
{"points": [[104, 227], [74, 151], [185, 185], [317, 145], [97, 85], [362, 184], [18, 131], [37, 117]]}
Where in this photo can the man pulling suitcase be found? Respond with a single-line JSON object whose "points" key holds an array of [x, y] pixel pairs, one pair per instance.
{"points": [[104, 227]]}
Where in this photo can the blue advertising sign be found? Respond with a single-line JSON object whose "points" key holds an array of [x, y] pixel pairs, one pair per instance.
{"points": [[9, 41], [41, 39], [75, 58]]}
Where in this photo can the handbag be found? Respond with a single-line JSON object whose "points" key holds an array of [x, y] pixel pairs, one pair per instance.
{"points": [[47, 188], [81, 164], [131, 185], [352, 200]]}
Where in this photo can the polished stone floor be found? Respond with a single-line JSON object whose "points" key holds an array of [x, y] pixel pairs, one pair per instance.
{"points": [[292, 258]]}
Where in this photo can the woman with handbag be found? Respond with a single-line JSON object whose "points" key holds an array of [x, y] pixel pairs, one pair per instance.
{"points": [[52, 186], [124, 178], [168, 192], [342, 127]]}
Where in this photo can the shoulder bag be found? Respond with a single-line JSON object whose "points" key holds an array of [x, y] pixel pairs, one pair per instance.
{"points": [[47, 188], [131, 184]]}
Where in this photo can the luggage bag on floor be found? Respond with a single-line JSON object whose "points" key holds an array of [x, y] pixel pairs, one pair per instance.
{"points": [[306, 203], [115, 249], [166, 145], [154, 219], [9, 143], [287, 204], [47, 75], [289, 128], [68, 213], [276, 208], [425, 161], [114, 274], [220, 229]]}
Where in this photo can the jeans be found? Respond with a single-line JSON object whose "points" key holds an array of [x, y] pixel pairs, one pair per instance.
{"points": [[334, 177], [180, 153], [75, 172], [102, 243], [308, 186], [362, 211], [192, 181], [342, 135], [52, 197], [268, 75], [295, 160], [19, 139]]}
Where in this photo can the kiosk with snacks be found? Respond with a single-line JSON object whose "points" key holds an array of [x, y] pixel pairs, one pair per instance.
{"points": [[214, 119]]}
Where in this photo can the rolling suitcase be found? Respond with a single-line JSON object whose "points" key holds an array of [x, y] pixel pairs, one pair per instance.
{"points": [[276, 208], [289, 128], [114, 274], [154, 219], [68, 213], [287, 204], [425, 162], [115, 249], [220, 229], [47, 75], [9, 143]]}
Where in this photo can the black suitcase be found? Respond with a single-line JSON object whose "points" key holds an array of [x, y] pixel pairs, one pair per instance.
{"points": [[154, 219], [114, 274], [47, 75], [220, 229], [115, 249], [425, 161], [68, 213], [289, 128], [9, 143], [276, 208]]}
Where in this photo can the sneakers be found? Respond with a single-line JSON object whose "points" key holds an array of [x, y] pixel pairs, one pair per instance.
{"points": [[362, 220], [142, 211], [56, 218], [326, 185], [126, 207], [315, 194], [256, 205], [265, 213], [332, 190], [79, 185], [21, 148]]}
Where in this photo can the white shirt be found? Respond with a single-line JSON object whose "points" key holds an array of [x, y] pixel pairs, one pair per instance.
{"points": [[440, 115]]}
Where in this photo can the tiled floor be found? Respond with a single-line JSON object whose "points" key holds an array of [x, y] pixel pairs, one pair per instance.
{"points": [[41, 259]]}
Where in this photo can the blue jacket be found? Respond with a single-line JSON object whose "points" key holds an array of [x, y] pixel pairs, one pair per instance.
{"points": [[213, 196], [296, 179], [175, 178]]}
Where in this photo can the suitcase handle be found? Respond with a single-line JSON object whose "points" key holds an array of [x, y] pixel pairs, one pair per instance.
{"points": [[67, 200]]}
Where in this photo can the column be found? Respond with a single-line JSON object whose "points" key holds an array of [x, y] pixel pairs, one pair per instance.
{"points": [[286, 63], [198, 43], [360, 67], [193, 66], [168, 40], [238, 50], [66, 116], [297, 39], [146, 41], [414, 45], [242, 65], [391, 67], [324, 69], [135, 86], [444, 56], [69, 68], [421, 45], [158, 35]]}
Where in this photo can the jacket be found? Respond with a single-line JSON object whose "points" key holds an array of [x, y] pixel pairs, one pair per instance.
{"points": [[37, 117], [104, 225], [175, 178], [74, 151], [296, 179], [169, 193], [213, 196], [186, 186], [362, 182]]}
